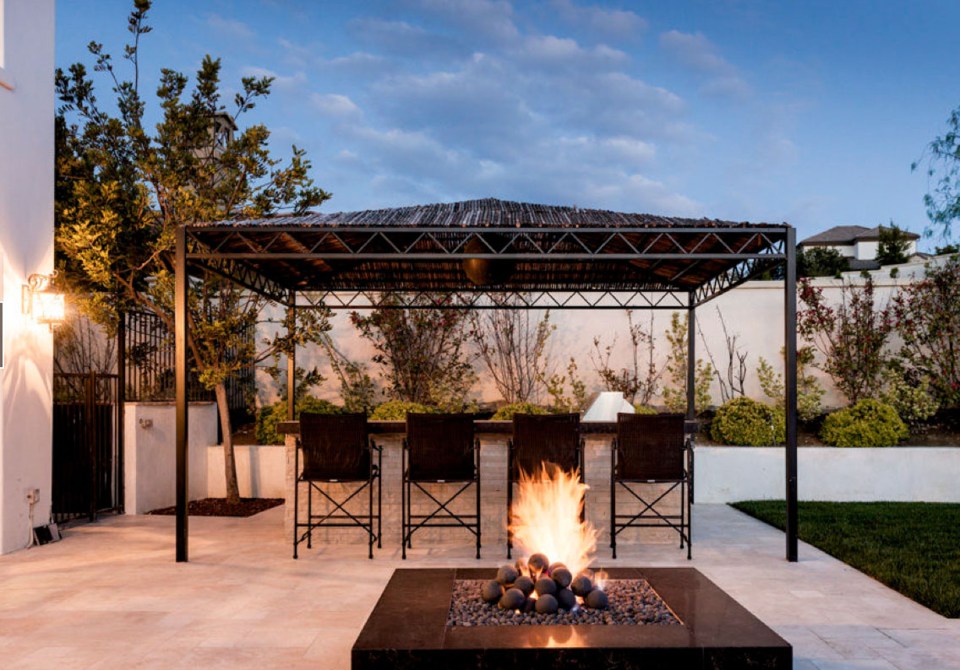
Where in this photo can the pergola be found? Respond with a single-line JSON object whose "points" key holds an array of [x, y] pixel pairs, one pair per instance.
{"points": [[484, 254]]}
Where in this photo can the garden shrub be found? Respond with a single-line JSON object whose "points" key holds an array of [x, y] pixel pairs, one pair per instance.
{"points": [[268, 417], [744, 421], [645, 409], [869, 423], [914, 399], [397, 410], [506, 412]]}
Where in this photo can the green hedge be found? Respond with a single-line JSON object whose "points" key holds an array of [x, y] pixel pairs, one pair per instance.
{"points": [[268, 417], [645, 409], [397, 410], [869, 423], [506, 412], [744, 421]]}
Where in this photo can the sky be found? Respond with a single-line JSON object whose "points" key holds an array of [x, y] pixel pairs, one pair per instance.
{"points": [[805, 112]]}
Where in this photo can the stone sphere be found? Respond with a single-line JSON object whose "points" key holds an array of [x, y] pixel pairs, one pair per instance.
{"points": [[538, 562], [529, 605], [547, 586], [581, 586], [555, 566], [547, 604], [596, 600], [566, 599], [525, 584], [491, 591], [507, 574], [562, 577], [512, 599]]}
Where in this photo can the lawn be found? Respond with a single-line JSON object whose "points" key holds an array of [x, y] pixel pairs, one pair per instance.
{"points": [[911, 547]]}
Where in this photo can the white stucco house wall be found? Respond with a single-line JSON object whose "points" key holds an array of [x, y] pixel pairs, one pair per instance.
{"points": [[26, 247]]}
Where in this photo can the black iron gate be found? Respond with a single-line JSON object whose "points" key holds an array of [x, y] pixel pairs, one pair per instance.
{"points": [[87, 446]]}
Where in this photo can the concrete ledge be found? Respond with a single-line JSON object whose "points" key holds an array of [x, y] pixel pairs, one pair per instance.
{"points": [[905, 474]]}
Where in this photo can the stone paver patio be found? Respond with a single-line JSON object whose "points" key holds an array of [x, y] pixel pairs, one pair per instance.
{"points": [[110, 595]]}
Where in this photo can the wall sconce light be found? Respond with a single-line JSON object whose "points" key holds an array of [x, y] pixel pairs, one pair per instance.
{"points": [[41, 302]]}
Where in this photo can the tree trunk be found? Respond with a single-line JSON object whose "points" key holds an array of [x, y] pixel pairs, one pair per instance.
{"points": [[229, 461]]}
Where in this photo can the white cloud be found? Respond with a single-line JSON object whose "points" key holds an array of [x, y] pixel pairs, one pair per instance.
{"points": [[698, 53], [230, 27], [334, 104], [609, 23], [282, 82], [491, 19]]}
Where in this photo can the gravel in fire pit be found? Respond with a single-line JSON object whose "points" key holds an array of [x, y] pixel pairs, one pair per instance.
{"points": [[632, 602]]}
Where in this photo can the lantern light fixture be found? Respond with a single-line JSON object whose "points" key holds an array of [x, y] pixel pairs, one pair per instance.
{"points": [[41, 302]]}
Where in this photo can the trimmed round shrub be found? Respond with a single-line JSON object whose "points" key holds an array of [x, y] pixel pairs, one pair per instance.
{"points": [[645, 409], [869, 423], [744, 421], [268, 417], [506, 412], [397, 410]]}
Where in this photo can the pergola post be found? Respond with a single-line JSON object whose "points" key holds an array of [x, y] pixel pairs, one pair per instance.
{"points": [[291, 359], [180, 340], [691, 359], [790, 391]]}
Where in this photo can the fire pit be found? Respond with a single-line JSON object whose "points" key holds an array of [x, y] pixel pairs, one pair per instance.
{"points": [[410, 629], [539, 614]]}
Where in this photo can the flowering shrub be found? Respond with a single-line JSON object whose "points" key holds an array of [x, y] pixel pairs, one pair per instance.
{"points": [[851, 336], [745, 421], [869, 423], [506, 412], [928, 321], [809, 390], [914, 399]]}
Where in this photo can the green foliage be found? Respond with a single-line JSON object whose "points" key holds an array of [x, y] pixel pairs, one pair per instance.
{"points": [[914, 399], [893, 245], [947, 249], [357, 389], [910, 547], [928, 322], [576, 401], [641, 381], [422, 352], [809, 390], [645, 409], [397, 410], [850, 336], [821, 262], [869, 423], [268, 417], [744, 421], [675, 392], [514, 346], [943, 164], [506, 412]]}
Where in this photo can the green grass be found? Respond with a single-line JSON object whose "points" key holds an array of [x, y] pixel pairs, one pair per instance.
{"points": [[911, 547]]}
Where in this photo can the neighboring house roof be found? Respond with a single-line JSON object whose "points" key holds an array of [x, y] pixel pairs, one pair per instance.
{"points": [[862, 264], [849, 235]]}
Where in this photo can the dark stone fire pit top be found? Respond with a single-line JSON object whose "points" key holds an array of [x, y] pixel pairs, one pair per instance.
{"points": [[407, 629]]}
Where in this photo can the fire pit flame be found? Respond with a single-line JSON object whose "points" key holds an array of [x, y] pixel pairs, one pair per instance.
{"points": [[546, 519]]}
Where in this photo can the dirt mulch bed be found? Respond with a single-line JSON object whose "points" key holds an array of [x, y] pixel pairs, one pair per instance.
{"points": [[220, 507]]}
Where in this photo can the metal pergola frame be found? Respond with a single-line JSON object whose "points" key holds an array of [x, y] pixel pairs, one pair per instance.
{"points": [[556, 258]]}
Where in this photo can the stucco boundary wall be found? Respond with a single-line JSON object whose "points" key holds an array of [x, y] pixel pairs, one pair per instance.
{"points": [[895, 474]]}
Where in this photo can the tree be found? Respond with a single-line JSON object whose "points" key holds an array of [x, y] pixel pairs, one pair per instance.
{"points": [[124, 187], [675, 394], [850, 337], [821, 262], [421, 350], [893, 246], [736, 378], [514, 346], [943, 167], [639, 383], [928, 322]]}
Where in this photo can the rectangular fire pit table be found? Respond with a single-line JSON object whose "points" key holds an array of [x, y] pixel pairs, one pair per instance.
{"points": [[408, 630]]}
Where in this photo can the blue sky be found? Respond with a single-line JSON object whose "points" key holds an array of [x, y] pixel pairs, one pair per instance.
{"points": [[807, 112]]}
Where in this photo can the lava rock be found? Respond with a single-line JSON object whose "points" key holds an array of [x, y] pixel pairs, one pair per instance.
{"points": [[562, 576], [546, 586], [581, 586], [538, 562], [525, 584], [491, 591], [566, 599], [547, 604], [596, 600], [512, 599], [507, 574]]}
